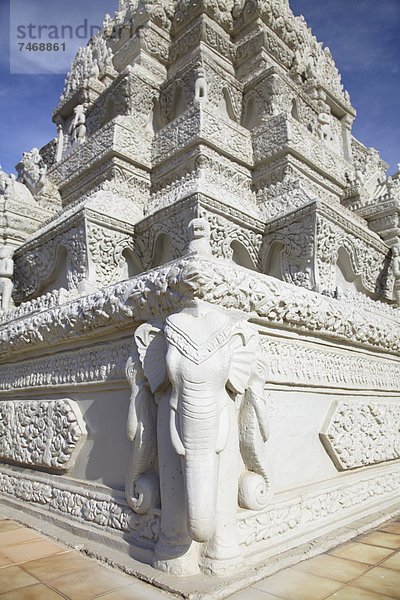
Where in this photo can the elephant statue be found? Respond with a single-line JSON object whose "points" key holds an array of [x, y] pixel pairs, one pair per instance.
{"points": [[198, 424]]}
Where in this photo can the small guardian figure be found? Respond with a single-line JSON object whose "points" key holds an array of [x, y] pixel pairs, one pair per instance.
{"points": [[200, 86], [77, 130], [199, 235], [6, 275], [396, 274]]}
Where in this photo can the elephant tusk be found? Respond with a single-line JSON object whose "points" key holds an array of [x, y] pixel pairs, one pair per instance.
{"points": [[175, 438]]}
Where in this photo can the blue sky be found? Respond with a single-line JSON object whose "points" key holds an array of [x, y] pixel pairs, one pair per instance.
{"points": [[363, 36]]}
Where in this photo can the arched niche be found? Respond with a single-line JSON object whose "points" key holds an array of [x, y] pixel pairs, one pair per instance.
{"points": [[295, 110], [57, 278], [132, 266], [251, 117], [155, 122], [179, 104], [162, 250], [241, 256], [345, 277], [225, 106], [274, 262]]}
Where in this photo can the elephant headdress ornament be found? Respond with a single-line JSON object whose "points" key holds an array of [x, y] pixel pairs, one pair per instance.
{"points": [[198, 424]]}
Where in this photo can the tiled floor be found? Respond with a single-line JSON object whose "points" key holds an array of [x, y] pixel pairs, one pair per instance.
{"points": [[33, 567]]}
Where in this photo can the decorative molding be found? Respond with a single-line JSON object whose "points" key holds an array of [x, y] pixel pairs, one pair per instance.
{"points": [[358, 434], [92, 364], [314, 509], [299, 363], [277, 522], [96, 508], [41, 433], [164, 289]]}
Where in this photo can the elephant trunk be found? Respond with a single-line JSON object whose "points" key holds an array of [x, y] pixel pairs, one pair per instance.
{"points": [[199, 429], [200, 474]]}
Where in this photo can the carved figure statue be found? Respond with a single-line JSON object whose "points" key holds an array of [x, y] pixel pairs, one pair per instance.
{"points": [[360, 179], [77, 129], [197, 404], [396, 274], [32, 170], [200, 86], [6, 275], [199, 233]]}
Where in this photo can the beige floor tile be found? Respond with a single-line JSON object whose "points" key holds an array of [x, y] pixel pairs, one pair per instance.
{"points": [[141, 592], [54, 567], [4, 561], [339, 569], [296, 585], [352, 593], [18, 536], [364, 553], [381, 538], [252, 594], [7, 525], [392, 563], [12, 578], [88, 584], [33, 592], [391, 527], [32, 550], [381, 581]]}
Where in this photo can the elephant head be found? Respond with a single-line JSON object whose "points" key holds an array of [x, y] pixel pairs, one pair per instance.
{"points": [[199, 363]]}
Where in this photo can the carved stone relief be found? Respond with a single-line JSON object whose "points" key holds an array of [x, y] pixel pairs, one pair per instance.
{"points": [[95, 364], [366, 262], [361, 433], [198, 494], [207, 189], [41, 433]]}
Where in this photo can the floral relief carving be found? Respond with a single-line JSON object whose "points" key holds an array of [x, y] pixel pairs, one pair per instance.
{"points": [[90, 507], [38, 263], [285, 518], [106, 247], [163, 289], [94, 364], [362, 433], [367, 262], [40, 433], [299, 364]]}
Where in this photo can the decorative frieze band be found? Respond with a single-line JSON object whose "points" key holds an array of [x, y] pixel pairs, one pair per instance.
{"points": [[276, 522], [165, 289], [85, 505], [358, 434], [302, 512], [99, 363], [292, 362], [41, 433]]}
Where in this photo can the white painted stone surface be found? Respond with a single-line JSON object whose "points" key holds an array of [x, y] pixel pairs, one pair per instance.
{"points": [[208, 276]]}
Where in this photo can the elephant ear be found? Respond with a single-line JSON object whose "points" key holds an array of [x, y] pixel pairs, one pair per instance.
{"points": [[152, 348], [244, 345]]}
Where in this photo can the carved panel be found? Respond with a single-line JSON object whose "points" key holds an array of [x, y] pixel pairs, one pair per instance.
{"points": [[88, 506], [41, 433], [303, 511], [91, 364], [362, 433], [296, 363], [368, 262], [106, 248], [38, 262]]}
